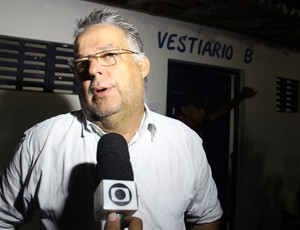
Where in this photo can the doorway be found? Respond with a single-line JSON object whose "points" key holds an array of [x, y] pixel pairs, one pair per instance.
{"points": [[217, 85]]}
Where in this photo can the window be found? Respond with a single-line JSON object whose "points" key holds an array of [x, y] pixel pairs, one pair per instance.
{"points": [[286, 95], [34, 65]]}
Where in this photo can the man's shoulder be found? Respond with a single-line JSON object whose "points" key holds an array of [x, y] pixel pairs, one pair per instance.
{"points": [[170, 124], [165, 120], [58, 122], [158, 116]]}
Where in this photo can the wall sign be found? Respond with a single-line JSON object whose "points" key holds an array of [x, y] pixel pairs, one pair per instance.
{"points": [[195, 45]]}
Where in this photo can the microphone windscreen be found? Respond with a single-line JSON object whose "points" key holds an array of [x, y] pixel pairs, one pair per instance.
{"points": [[113, 161]]}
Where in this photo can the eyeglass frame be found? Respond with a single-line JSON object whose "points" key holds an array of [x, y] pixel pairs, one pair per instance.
{"points": [[72, 62]]}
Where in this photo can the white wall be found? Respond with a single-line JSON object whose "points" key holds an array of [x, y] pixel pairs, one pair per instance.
{"points": [[269, 176]]}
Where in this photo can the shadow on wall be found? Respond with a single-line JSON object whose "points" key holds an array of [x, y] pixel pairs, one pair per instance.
{"points": [[19, 110], [271, 188], [281, 196]]}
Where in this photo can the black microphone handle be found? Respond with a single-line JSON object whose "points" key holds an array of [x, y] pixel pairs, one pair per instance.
{"points": [[121, 217]]}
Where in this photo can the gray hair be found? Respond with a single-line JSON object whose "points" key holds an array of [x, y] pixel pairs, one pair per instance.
{"points": [[110, 16]]}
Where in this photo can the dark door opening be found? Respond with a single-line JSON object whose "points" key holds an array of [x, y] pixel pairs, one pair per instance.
{"points": [[216, 85]]}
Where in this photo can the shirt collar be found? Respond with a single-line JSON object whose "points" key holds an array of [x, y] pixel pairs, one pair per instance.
{"points": [[147, 124], [88, 127]]}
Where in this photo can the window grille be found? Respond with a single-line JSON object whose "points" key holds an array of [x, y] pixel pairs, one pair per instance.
{"points": [[286, 95], [34, 65]]}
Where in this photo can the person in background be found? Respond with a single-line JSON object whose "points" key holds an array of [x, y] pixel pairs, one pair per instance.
{"points": [[193, 111], [53, 169]]}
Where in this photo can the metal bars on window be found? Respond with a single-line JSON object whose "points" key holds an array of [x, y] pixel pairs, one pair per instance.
{"points": [[34, 65], [286, 95]]}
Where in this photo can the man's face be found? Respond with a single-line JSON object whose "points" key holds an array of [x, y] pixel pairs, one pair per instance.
{"points": [[111, 90]]}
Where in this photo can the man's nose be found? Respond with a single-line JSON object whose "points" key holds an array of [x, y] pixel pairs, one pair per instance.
{"points": [[95, 67]]}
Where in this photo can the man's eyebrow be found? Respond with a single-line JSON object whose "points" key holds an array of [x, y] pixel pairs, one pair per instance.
{"points": [[98, 50], [104, 48]]}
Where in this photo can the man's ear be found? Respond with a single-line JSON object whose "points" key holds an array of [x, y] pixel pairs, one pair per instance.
{"points": [[145, 66]]}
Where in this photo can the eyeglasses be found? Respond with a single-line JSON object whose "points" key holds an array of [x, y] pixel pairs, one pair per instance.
{"points": [[104, 58]]}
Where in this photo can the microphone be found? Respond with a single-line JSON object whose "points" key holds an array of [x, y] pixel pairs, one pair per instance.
{"points": [[116, 191]]}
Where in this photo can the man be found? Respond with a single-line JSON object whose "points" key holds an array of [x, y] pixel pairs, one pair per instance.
{"points": [[193, 111], [54, 166]]}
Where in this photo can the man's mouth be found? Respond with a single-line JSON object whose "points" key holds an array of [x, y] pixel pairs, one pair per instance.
{"points": [[100, 90]]}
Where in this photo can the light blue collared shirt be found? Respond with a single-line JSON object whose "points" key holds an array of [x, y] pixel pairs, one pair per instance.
{"points": [[54, 169]]}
